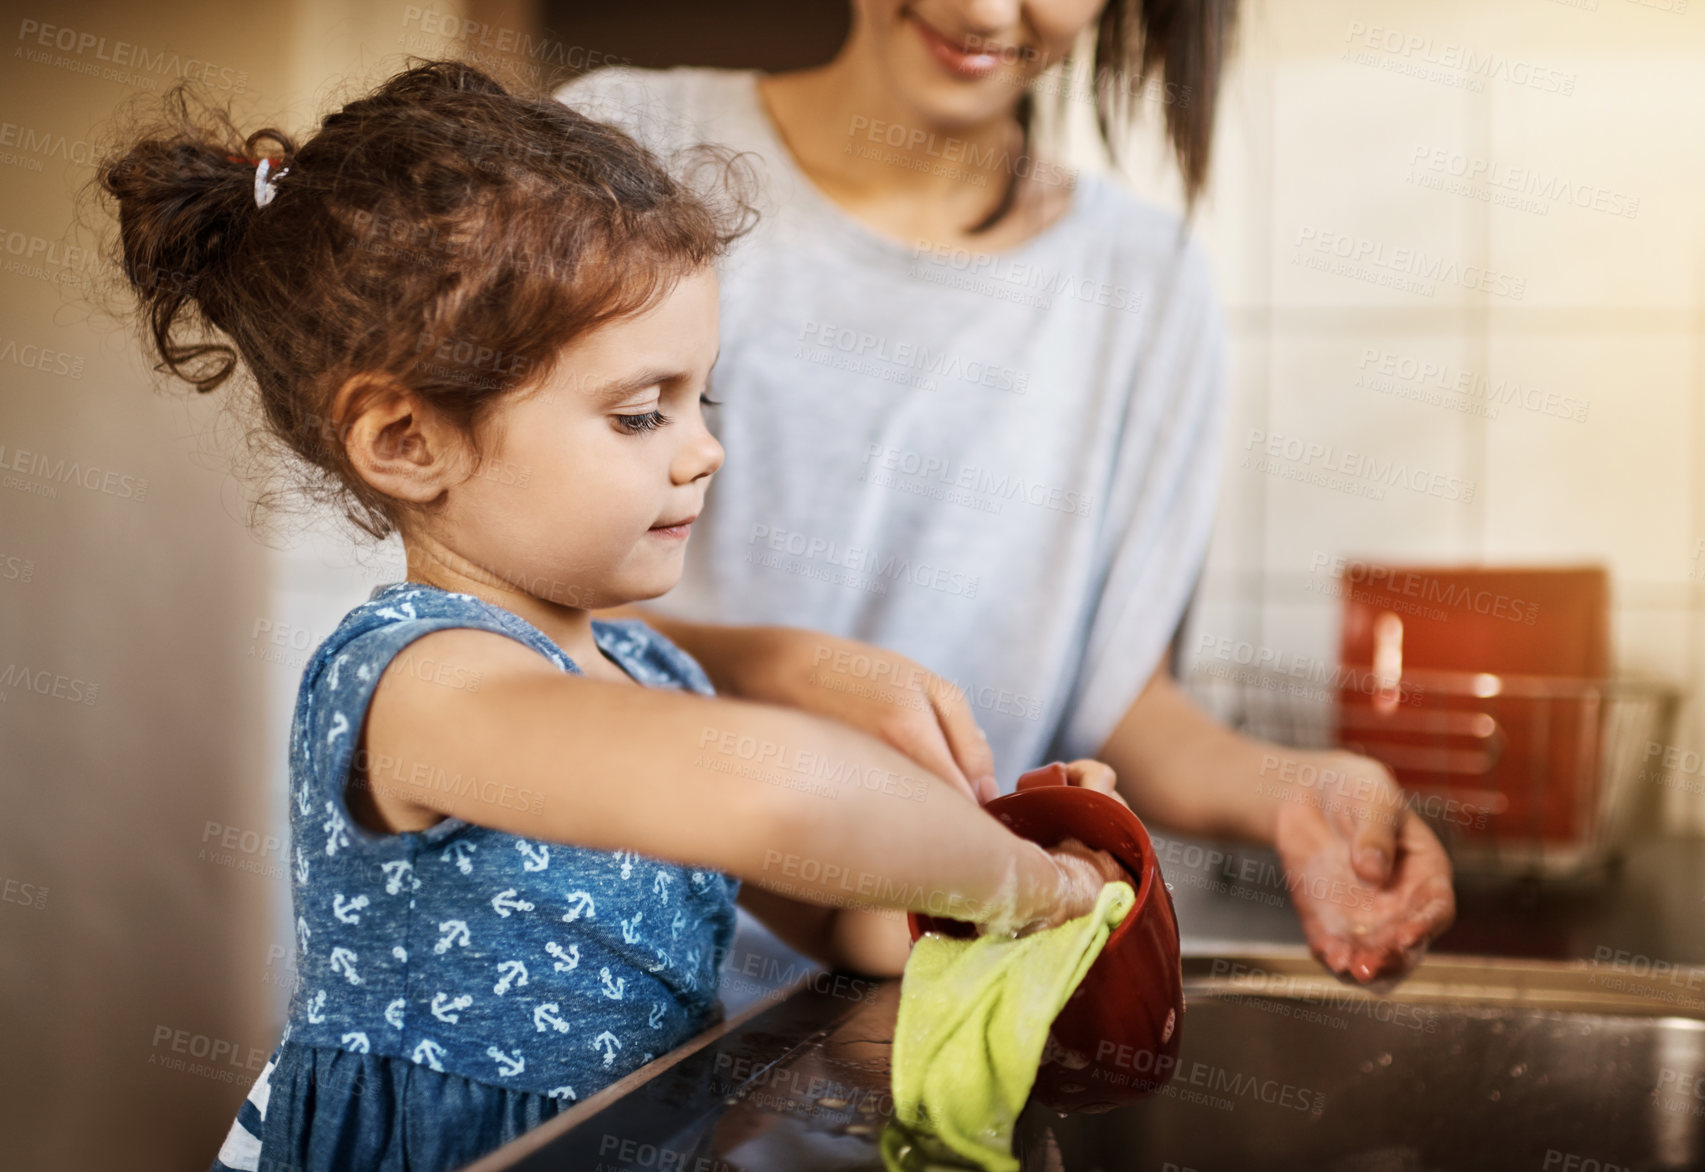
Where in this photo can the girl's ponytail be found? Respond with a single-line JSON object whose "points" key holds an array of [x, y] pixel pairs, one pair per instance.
{"points": [[185, 196]]}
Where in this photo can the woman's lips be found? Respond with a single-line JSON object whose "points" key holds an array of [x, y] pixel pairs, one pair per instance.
{"points": [[954, 56]]}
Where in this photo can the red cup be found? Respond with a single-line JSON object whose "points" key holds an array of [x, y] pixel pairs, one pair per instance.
{"points": [[1117, 1038]]}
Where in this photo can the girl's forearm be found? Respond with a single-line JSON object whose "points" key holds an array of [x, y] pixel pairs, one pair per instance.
{"points": [[795, 803]]}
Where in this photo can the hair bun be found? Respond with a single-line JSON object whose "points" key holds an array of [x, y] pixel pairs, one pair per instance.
{"points": [[185, 193]]}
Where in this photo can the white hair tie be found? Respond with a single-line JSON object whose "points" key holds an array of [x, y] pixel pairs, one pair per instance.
{"points": [[267, 188]]}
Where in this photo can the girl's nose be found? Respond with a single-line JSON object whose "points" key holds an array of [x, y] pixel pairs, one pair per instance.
{"points": [[699, 457]]}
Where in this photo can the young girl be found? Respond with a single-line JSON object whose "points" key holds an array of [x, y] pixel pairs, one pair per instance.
{"points": [[488, 323]]}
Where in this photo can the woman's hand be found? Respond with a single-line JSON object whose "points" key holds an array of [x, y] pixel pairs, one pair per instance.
{"points": [[1088, 773], [1370, 881], [878, 692]]}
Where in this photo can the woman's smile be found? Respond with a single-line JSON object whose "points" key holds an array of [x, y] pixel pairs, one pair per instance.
{"points": [[971, 58]]}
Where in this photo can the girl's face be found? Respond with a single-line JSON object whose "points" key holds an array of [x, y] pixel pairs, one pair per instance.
{"points": [[590, 482], [960, 63]]}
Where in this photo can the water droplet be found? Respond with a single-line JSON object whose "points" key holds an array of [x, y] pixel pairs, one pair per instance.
{"points": [[1385, 1060], [1496, 1095], [1518, 1070]]}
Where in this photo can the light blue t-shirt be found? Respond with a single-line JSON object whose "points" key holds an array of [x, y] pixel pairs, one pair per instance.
{"points": [[512, 961], [1002, 465]]}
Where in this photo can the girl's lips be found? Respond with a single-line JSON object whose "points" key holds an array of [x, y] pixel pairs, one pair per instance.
{"points": [[953, 55], [679, 530]]}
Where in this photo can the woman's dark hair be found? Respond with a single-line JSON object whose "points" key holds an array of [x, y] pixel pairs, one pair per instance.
{"points": [[1181, 46], [441, 233]]}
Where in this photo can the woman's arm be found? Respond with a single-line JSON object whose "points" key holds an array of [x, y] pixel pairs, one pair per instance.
{"points": [[788, 801], [1370, 882], [895, 699], [871, 941]]}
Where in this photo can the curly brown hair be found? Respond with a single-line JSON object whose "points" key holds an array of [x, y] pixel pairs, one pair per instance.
{"points": [[442, 233]]}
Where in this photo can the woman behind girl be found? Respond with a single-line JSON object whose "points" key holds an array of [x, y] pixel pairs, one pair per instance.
{"points": [[486, 323]]}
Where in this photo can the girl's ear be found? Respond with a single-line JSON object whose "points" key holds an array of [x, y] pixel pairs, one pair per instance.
{"points": [[396, 443]]}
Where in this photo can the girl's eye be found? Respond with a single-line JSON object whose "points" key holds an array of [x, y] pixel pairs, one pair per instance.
{"points": [[710, 402], [636, 424]]}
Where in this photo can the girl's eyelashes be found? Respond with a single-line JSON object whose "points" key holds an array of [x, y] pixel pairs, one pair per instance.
{"points": [[654, 419], [638, 424]]}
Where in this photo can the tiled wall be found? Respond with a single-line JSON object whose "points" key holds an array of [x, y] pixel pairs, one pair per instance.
{"points": [[1471, 134]]}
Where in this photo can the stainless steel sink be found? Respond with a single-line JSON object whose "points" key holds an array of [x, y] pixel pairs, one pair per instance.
{"points": [[1469, 1064]]}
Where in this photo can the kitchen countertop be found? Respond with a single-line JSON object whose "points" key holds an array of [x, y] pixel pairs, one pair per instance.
{"points": [[797, 1077]]}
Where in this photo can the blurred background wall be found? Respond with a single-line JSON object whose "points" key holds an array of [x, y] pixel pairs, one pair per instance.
{"points": [[151, 642]]}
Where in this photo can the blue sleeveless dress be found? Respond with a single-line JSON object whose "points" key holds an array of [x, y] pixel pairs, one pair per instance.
{"points": [[458, 986]]}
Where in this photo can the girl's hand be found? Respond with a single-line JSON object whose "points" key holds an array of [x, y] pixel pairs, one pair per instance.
{"points": [[878, 692], [1070, 880]]}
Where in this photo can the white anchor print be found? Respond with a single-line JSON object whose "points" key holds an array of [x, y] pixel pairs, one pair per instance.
{"points": [[339, 728], [628, 859], [700, 881], [429, 1052], [580, 903], [508, 1065], [566, 962], [535, 857], [446, 1008], [656, 1019], [660, 885], [301, 866], [455, 932], [630, 928], [565, 1093], [505, 902], [395, 873], [304, 800], [677, 924], [302, 934], [609, 1044], [458, 852], [690, 978], [510, 973], [348, 910], [357, 1042], [611, 987], [400, 953], [316, 1008], [337, 663], [662, 962], [337, 830], [545, 1018], [394, 1013], [343, 961], [401, 611]]}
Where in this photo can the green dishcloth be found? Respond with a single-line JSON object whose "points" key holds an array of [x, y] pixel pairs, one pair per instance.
{"points": [[974, 1017]]}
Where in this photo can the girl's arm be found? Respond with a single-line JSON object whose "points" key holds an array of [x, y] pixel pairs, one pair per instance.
{"points": [[791, 802]]}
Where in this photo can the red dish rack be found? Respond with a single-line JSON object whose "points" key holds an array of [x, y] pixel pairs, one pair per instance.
{"points": [[1487, 692]]}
